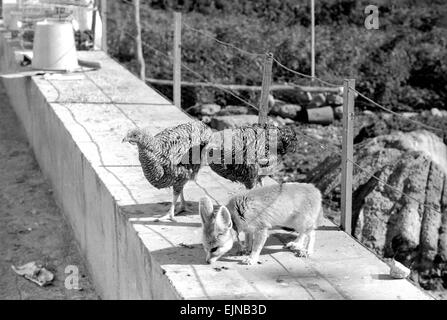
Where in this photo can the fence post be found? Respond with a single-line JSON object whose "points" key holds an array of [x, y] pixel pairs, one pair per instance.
{"points": [[95, 8], [266, 82], [138, 40], [104, 25], [347, 154], [312, 45], [177, 59]]}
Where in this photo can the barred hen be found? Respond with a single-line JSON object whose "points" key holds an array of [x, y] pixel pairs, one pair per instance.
{"points": [[171, 157], [249, 157]]}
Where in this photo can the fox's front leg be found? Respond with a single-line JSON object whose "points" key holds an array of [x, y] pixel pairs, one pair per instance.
{"points": [[241, 249], [259, 238], [248, 243], [303, 245], [311, 243]]}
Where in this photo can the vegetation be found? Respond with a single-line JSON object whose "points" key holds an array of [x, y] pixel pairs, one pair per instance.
{"points": [[403, 64]]}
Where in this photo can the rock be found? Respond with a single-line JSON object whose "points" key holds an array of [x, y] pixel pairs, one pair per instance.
{"points": [[290, 111], [229, 122], [209, 109], [271, 101], [436, 112], [334, 100], [282, 121], [409, 114], [35, 273], [233, 110], [338, 112], [398, 270], [206, 119], [318, 101], [384, 219]]}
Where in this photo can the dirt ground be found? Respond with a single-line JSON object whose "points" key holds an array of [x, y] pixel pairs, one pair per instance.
{"points": [[32, 227]]}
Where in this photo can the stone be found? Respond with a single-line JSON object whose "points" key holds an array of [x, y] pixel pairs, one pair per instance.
{"points": [[384, 219], [290, 111], [206, 119], [278, 121], [398, 270], [334, 100], [436, 112], [209, 109], [318, 101], [338, 112]]}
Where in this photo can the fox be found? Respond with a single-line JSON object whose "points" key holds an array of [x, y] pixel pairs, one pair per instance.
{"points": [[291, 206]]}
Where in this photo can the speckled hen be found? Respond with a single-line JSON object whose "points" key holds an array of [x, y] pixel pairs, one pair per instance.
{"points": [[250, 156], [171, 157]]}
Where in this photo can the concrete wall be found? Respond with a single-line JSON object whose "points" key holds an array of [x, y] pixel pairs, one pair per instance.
{"points": [[75, 124]]}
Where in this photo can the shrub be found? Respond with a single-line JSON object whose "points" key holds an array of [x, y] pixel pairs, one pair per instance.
{"points": [[402, 65]]}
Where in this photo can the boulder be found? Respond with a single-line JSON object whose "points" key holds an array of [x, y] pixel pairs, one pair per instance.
{"points": [[334, 100], [338, 112], [209, 109], [318, 101], [435, 112], [280, 122], [385, 220], [290, 111]]}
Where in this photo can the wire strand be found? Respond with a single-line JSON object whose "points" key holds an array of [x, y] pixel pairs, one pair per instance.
{"points": [[315, 141], [305, 75], [194, 72], [394, 188], [227, 44], [372, 175]]}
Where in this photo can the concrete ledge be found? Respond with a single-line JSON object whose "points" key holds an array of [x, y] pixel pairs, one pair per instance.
{"points": [[75, 126]]}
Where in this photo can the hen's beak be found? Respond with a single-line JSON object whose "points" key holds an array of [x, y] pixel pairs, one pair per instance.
{"points": [[125, 140]]}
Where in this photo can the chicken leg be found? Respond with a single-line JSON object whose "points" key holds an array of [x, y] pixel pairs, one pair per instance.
{"points": [[171, 213]]}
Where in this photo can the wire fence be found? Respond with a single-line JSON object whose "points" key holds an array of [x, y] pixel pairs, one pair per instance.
{"points": [[254, 55]]}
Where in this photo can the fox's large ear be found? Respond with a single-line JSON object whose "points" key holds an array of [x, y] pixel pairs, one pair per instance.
{"points": [[205, 209], [223, 218]]}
